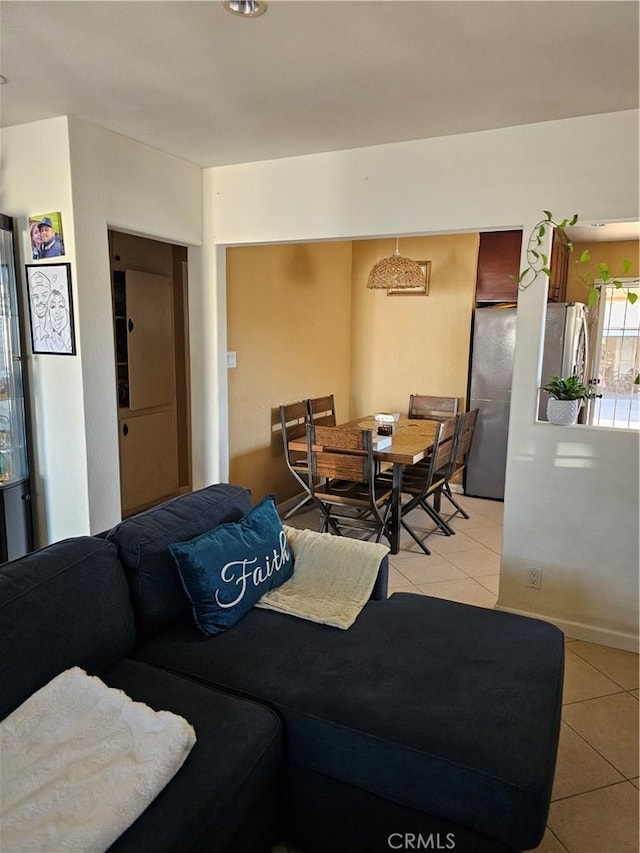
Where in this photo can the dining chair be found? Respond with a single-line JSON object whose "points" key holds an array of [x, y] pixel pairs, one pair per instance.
{"points": [[432, 408], [342, 481], [293, 420], [465, 430], [425, 479], [321, 410]]}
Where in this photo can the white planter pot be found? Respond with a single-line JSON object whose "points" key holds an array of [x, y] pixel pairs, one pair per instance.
{"points": [[563, 412]]}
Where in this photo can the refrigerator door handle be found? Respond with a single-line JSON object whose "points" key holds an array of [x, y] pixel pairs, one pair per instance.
{"points": [[587, 353], [575, 342]]}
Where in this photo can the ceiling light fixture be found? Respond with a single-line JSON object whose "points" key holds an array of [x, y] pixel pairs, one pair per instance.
{"points": [[246, 8], [395, 272]]}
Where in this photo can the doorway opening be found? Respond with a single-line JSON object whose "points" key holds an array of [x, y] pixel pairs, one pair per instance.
{"points": [[150, 323]]}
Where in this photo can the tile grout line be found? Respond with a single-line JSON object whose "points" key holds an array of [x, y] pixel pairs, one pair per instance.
{"points": [[624, 781], [602, 672], [453, 580], [557, 838], [593, 698], [596, 750], [446, 559]]}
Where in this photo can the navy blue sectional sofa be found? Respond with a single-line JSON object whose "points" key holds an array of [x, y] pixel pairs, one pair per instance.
{"points": [[427, 725]]}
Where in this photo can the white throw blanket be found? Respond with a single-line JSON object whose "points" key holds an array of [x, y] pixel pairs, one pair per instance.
{"points": [[80, 762], [332, 578]]}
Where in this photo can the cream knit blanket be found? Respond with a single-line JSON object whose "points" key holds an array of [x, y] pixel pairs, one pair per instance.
{"points": [[332, 578], [80, 762]]}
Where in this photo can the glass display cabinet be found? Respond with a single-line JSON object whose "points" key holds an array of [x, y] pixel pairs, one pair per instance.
{"points": [[16, 536]]}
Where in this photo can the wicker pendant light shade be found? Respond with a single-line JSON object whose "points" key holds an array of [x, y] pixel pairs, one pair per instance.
{"points": [[395, 272]]}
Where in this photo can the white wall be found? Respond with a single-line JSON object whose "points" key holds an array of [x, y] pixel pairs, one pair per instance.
{"points": [[98, 179], [121, 184], [576, 520], [574, 512], [208, 339]]}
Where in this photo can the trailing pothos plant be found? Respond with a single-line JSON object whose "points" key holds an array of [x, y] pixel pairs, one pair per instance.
{"points": [[538, 262], [603, 275]]}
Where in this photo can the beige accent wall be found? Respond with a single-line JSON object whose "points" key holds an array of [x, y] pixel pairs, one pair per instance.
{"points": [[611, 253], [303, 324], [406, 344], [289, 322]]}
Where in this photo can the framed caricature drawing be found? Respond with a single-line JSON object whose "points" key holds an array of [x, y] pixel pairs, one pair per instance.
{"points": [[51, 308]]}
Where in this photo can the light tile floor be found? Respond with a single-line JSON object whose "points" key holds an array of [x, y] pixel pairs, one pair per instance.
{"points": [[595, 796]]}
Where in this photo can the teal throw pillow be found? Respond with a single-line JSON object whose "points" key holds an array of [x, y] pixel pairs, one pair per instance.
{"points": [[225, 571]]}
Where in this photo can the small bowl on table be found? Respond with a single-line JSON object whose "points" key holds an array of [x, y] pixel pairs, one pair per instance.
{"points": [[386, 422]]}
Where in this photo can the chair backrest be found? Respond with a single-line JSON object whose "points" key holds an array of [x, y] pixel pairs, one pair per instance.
{"points": [[451, 466], [343, 475], [465, 435], [341, 453], [432, 408], [438, 463], [293, 419], [444, 447], [322, 410]]}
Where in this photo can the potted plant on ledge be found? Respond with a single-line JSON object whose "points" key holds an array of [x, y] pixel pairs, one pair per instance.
{"points": [[566, 398]]}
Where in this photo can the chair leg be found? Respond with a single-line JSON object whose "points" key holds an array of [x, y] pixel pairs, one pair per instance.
{"points": [[384, 525], [446, 491], [307, 499], [439, 520], [328, 522], [415, 537]]}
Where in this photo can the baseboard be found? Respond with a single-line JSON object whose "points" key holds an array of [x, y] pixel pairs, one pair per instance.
{"points": [[582, 631]]}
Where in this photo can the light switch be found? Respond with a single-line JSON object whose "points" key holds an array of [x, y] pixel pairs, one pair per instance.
{"points": [[231, 359]]}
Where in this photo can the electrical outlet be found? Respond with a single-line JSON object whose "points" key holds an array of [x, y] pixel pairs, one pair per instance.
{"points": [[534, 578]]}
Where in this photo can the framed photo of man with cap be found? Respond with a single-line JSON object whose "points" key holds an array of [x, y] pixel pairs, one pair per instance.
{"points": [[51, 308], [45, 231]]}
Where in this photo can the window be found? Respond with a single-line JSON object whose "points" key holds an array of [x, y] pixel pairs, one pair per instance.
{"points": [[617, 358]]}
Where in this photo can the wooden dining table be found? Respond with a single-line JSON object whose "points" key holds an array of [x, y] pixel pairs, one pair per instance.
{"points": [[411, 441]]}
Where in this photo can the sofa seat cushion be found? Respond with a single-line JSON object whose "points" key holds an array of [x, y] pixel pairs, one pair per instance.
{"points": [[62, 606], [229, 775], [443, 707], [143, 547]]}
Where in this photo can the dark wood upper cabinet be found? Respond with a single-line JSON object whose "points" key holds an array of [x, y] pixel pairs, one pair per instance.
{"points": [[498, 260], [559, 267]]}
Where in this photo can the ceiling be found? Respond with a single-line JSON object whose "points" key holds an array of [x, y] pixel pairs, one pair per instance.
{"points": [[191, 79], [604, 233]]}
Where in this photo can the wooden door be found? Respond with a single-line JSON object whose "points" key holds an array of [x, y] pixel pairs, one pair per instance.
{"points": [[148, 458], [150, 344]]}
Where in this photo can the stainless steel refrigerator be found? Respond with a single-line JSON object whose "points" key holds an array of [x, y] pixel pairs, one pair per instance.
{"points": [[566, 346], [494, 338]]}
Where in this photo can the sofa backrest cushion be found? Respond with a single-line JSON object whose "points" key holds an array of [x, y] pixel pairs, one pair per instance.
{"points": [[62, 606], [143, 543]]}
